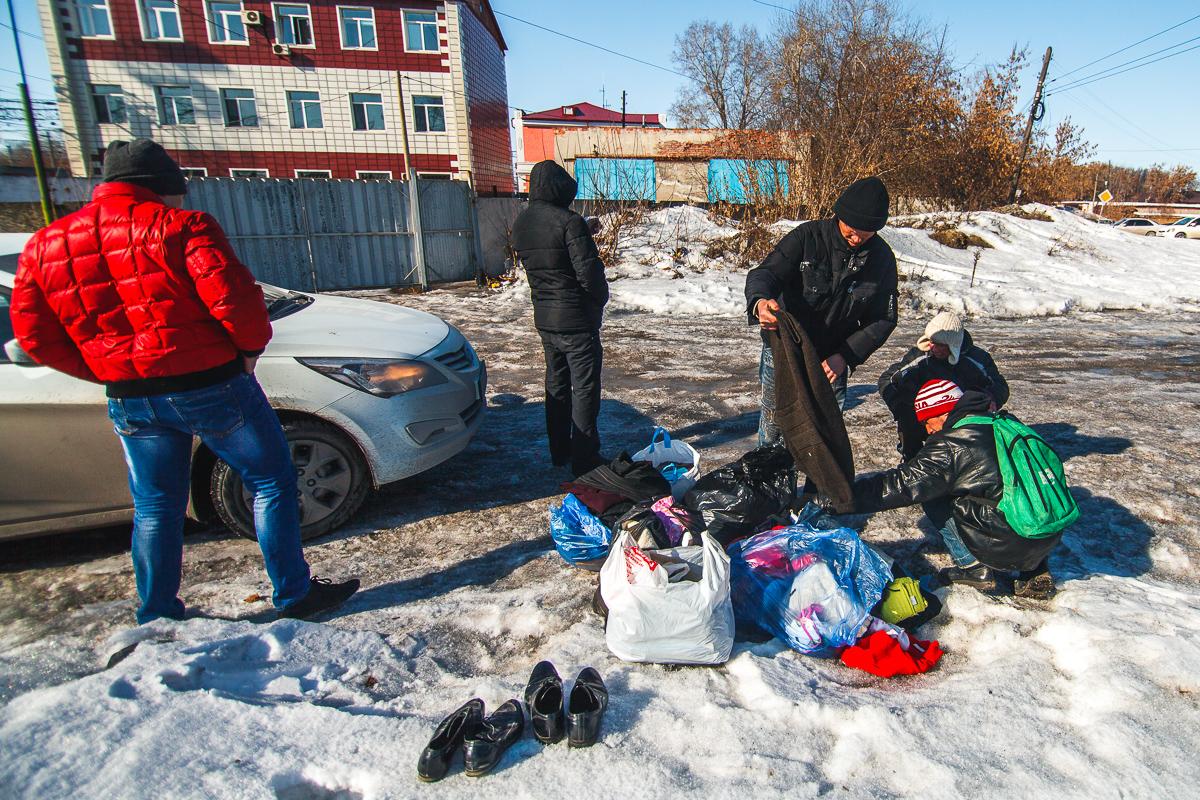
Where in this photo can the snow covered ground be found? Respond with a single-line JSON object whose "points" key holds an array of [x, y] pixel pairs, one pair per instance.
{"points": [[1093, 694]]}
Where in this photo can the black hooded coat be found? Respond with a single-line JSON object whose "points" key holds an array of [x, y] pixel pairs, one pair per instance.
{"points": [[566, 276]]}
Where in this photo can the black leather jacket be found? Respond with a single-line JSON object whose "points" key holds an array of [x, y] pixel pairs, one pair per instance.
{"points": [[844, 299], [566, 276], [959, 463]]}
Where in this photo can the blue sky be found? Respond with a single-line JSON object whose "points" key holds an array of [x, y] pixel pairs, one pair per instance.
{"points": [[1146, 116]]}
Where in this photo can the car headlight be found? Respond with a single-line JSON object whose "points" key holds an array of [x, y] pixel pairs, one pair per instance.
{"points": [[383, 377]]}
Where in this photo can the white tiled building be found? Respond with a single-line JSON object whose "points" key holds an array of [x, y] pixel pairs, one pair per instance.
{"points": [[286, 90]]}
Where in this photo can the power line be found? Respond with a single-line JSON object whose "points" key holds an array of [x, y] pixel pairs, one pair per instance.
{"points": [[22, 31], [1127, 47], [593, 44], [1109, 73]]}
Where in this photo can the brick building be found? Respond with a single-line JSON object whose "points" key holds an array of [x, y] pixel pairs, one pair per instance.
{"points": [[536, 131], [249, 88]]}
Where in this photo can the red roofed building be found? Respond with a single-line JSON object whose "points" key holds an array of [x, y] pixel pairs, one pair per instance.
{"points": [[536, 131]]}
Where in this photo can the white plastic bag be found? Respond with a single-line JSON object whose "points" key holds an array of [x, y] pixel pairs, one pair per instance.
{"points": [[688, 622], [665, 450]]}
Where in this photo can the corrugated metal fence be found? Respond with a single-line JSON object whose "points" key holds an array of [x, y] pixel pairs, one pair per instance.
{"points": [[319, 235]]}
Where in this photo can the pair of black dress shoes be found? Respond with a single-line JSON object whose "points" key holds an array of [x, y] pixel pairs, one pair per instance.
{"points": [[482, 739], [584, 708]]}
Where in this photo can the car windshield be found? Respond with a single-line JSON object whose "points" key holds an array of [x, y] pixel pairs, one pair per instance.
{"points": [[1183, 221], [282, 302]]}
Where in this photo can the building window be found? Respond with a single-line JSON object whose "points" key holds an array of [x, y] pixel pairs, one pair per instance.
{"points": [[304, 109], [293, 25], [194, 172], [249, 173], [160, 21], [225, 25], [434, 176], [373, 175], [366, 110], [109, 104], [94, 19], [175, 105], [240, 107], [358, 28], [428, 114], [314, 173], [420, 31]]}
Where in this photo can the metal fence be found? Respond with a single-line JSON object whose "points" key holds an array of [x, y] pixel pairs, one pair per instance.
{"points": [[321, 235]]}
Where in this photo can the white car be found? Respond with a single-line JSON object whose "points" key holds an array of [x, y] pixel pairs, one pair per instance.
{"points": [[368, 393], [1185, 228], [1137, 225]]}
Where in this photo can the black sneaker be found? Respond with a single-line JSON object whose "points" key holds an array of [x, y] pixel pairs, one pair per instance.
{"points": [[323, 595], [1035, 584], [978, 577]]}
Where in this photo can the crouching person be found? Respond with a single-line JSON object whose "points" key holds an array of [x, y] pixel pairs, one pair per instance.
{"points": [[944, 351], [959, 479]]}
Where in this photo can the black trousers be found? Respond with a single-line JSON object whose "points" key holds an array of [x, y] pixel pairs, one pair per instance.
{"points": [[573, 362]]}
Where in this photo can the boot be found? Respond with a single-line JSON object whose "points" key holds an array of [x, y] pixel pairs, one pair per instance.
{"points": [[1036, 583], [979, 577]]}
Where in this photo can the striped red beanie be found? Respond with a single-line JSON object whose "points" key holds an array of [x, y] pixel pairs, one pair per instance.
{"points": [[935, 398]]}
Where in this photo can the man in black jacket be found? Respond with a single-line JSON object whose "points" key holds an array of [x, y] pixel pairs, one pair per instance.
{"points": [[569, 290], [838, 279], [959, 465], [946, 352]]}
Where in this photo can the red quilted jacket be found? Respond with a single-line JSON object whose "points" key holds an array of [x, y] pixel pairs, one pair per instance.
{"points": [[127, 288]]}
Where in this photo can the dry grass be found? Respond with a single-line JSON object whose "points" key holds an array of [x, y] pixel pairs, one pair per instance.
{"points": [[959, 240]]}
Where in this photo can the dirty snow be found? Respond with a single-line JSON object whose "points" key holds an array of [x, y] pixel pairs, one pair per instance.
{"points": [[1093, 694]]}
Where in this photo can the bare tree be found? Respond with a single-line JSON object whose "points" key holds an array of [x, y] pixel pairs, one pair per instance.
{"points": [[729, 72]]}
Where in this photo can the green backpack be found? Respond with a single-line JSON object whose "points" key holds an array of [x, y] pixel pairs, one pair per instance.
{"points": [[1035, 501]]}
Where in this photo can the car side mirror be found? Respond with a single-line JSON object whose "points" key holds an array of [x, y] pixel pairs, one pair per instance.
{"points": [[17, 355]]}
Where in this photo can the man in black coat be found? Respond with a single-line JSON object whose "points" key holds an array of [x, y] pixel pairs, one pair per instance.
{"points": [[569, 290], [838, 279], [959, 465], [946, 352]]}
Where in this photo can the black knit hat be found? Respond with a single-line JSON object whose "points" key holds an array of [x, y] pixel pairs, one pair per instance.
{"points": [[145, 163], [864, 204]]}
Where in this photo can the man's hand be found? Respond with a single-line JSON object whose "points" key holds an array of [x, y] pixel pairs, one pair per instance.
{"points": [[834, 366], [766, 310], [248, 363]]}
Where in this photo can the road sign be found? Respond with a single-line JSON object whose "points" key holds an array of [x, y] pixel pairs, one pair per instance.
{"points": [[1106, 196]]}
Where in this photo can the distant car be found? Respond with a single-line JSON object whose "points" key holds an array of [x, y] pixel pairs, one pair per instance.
{"points": [[368, 393], [1183, 230], [1178, 229], [1137, 225]]}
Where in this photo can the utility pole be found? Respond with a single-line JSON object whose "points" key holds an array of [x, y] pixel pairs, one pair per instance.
{"points": [[414, 191], [622, 108], [1035, 113], [35, 145]]}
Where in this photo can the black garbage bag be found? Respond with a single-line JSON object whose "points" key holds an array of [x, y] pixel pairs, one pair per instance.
{"points": [[738, 499]]}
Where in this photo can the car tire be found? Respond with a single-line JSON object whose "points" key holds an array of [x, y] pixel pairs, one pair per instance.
{"points": [[331, 489], [1151, 233], [1181, 236]]}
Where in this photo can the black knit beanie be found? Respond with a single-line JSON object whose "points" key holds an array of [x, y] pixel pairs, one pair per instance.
{"points": [[864, 204], [145, 163]]}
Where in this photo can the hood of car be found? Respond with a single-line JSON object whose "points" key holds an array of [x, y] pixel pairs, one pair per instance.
{"points": [[348, 326]]}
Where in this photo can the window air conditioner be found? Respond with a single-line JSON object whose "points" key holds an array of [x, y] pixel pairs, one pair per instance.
{"points": [[252, 17], [281, 49]]}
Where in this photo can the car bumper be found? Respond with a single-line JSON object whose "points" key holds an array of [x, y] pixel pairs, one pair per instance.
{"points": [[412, 432]]}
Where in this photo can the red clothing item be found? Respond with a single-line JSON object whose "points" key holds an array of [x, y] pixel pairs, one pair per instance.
{"points": [[128, 288], [880, 654]]}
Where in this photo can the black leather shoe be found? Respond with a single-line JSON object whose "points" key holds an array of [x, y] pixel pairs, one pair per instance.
{"points": [[448, 740], [323, 595], [544, 696], [979, 577], [589, 699], [483, 748]]}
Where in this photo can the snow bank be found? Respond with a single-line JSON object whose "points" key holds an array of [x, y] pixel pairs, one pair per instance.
{"points": [[1098, 695], [1034, 268]]}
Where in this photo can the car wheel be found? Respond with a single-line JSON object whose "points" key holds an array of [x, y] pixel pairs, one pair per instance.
{"points": [[1181, 236], [331, 472]]}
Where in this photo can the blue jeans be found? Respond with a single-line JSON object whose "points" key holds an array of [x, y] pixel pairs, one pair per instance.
{"points": [[941, 513], [768, 431], [236, 422]]}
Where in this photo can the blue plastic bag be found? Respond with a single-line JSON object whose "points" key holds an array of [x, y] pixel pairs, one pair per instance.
{"points": [[809, 584], [579, 536]]}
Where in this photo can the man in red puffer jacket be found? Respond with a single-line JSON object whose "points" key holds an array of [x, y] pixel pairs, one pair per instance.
{"points": [[149, 299]]}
